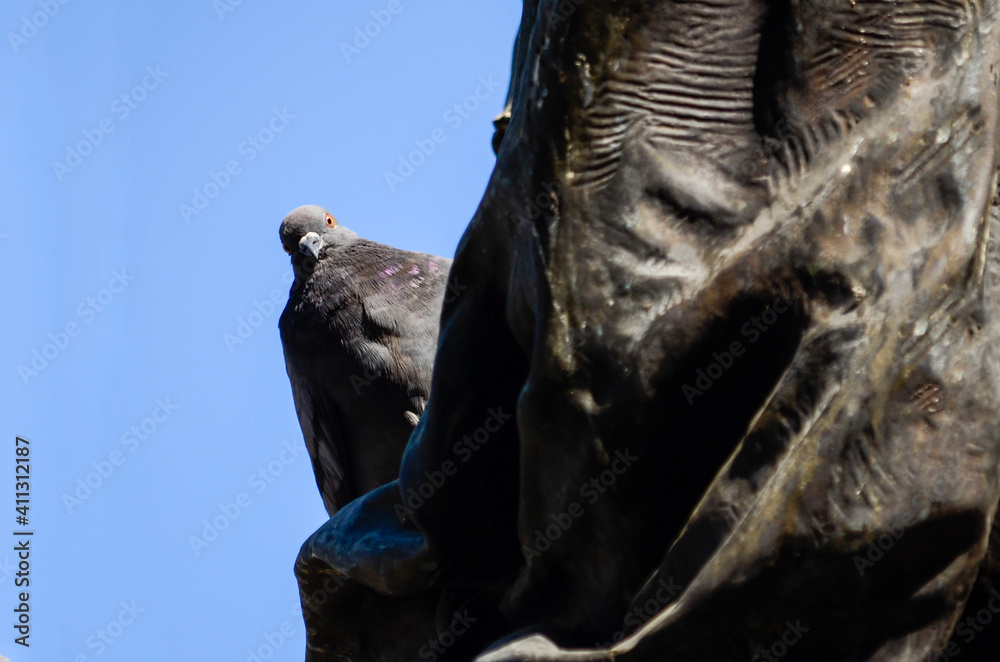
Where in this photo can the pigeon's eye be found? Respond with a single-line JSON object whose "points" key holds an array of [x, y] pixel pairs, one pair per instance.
{"points": [[287, 251], [330, 222]]}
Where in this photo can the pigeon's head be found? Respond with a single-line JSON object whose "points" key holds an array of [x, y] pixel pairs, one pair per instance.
{"points": [[307, 231]]}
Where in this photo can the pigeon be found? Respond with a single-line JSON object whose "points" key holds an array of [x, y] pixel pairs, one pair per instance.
{"points": [[359, 334]]}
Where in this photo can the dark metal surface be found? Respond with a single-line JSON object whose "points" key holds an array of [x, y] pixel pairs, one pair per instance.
{"points": [[724, 379]]}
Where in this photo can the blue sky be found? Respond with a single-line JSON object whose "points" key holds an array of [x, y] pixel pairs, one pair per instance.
{"points": [[141, 356]]}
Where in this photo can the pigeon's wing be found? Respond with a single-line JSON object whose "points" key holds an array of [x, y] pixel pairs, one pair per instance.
{"points": [[321, 431], [402, 294], [359, 348]]}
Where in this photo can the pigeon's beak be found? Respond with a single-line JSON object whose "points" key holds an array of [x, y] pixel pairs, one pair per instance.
{"points": [[311, 245]]}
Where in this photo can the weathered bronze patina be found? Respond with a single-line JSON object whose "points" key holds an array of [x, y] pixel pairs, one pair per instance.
{"points": [[724, 381]]}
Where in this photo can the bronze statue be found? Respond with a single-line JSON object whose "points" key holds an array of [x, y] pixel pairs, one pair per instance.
{"points": [[723, 384]]}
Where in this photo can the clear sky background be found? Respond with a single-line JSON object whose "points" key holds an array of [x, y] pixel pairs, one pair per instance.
{"points": [[140, 350]]}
